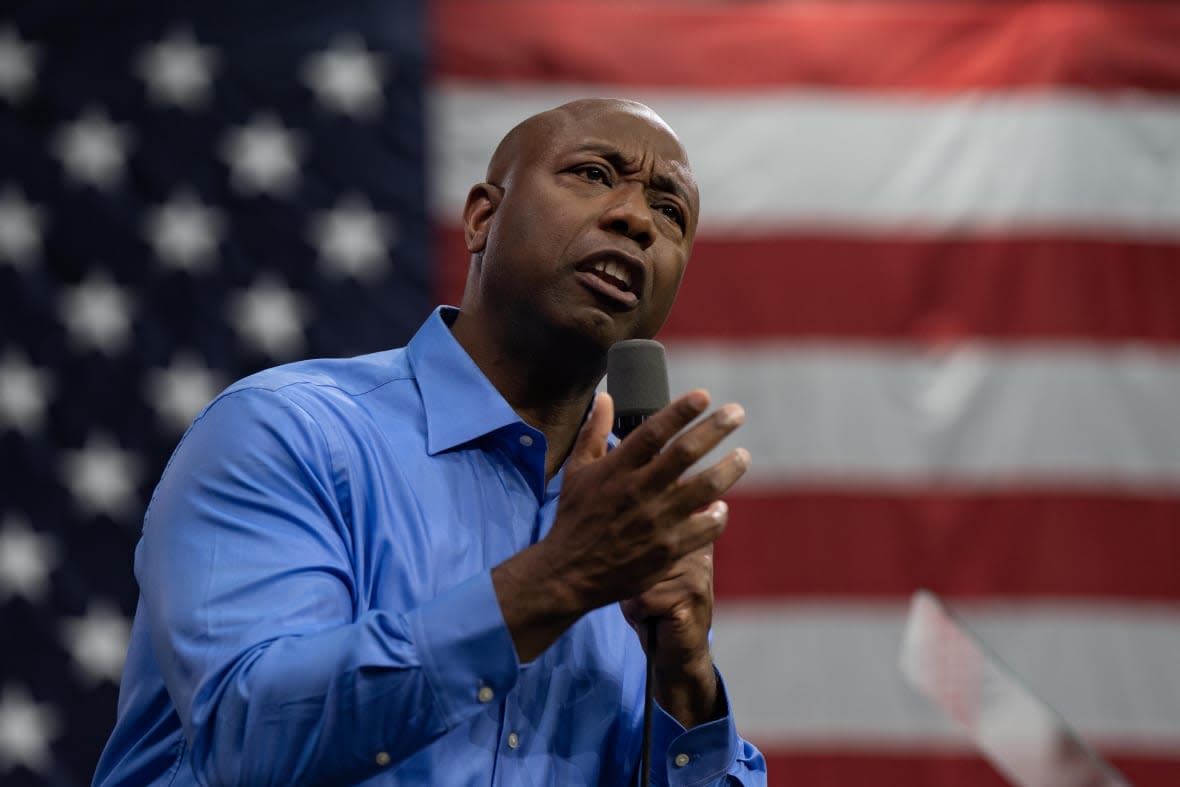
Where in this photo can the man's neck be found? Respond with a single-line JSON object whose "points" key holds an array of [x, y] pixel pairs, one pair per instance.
{"points": [[549, 388]]}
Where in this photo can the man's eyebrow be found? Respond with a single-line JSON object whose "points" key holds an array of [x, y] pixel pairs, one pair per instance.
{"points": [[623, 163], [671, 185]]}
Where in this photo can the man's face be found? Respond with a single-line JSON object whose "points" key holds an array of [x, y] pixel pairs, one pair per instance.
{"points": [[594, 226]]}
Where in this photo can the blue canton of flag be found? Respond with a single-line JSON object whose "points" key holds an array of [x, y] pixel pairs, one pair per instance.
{"points": [[188, 193]]}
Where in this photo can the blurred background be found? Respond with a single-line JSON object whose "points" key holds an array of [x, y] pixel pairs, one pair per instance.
{"points": [[938, 261]]}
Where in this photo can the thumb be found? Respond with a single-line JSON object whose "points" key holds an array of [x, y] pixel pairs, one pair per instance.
{"points": [[591, 443]]}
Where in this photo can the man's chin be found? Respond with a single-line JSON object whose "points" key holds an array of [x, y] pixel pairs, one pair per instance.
{"points": [[596, 328]]}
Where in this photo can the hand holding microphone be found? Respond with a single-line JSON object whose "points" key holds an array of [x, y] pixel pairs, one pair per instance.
{"points": [[676, 517], [634, 525], [637, 379], [627, 516]]}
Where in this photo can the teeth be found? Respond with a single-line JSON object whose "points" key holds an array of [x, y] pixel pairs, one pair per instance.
{"points": [[615, 270]]}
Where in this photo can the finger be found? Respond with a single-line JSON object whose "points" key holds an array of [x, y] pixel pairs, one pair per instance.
{"points": [[697, 532], [693, 542], [692, 576], [694, 568], [709, 484], [689, 447], [650, 437], [590, 444]]}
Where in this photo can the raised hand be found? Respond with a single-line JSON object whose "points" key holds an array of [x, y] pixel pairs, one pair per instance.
{"points": [[626, 519]]}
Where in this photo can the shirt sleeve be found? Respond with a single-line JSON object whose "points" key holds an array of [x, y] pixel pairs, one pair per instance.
{"points": [[246, 577], [708, 754]]}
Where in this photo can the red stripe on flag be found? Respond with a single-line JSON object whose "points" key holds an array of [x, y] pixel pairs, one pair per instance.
{"points": [[915, 45], [841, 543], [914, 288], [792, 768], [930, 769], [930, 288]]}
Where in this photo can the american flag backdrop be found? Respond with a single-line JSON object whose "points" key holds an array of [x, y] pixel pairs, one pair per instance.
{"points": [[938, 262], [189, 192]]}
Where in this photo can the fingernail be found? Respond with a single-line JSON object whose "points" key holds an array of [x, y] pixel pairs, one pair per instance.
{"points": [[698, 399], [743, 457], [731, 415], [720, 509]]}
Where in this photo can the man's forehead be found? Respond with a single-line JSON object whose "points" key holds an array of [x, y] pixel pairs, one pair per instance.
{"points": [[625, 133], [622, 124], [621, 129]]}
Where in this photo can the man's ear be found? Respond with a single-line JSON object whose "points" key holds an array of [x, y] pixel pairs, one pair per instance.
{"points": [[482, 201]]}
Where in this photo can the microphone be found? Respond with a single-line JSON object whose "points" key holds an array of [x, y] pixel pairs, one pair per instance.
{"points": [[637, 380]]}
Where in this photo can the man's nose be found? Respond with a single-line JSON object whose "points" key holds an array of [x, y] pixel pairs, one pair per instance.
{"points": [[629, 214]]}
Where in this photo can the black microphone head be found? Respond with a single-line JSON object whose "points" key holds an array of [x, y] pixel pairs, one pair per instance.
{"points": [[637, 380]]}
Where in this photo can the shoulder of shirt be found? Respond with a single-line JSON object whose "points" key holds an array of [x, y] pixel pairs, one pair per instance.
{"points": [[320, 378]]}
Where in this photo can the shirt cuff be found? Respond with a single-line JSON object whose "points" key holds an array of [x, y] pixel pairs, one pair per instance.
{"points": [[465, 649], [697, 756]]}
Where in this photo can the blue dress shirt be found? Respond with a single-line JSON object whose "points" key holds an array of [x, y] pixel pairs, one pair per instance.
{"points": [[316, 602]]}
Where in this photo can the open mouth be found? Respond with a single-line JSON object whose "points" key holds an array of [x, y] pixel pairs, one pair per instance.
{"points": [[617, 278], [613, 273]]}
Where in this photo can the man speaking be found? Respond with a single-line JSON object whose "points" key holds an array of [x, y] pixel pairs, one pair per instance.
{"points": [[424, 566]]}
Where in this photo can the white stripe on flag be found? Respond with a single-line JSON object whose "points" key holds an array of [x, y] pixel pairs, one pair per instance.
{"points": [[826, 674], [1015, 161], [968, 413]]}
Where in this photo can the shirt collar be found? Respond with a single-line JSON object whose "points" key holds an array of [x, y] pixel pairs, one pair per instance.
{"points": [[460, 403]]}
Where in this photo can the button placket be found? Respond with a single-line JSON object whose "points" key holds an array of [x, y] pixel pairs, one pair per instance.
{"points": [[513, 721]]}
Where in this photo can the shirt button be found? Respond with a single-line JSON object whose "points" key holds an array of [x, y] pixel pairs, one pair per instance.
{"points": [[382, 758], [513, 740], [526, 440], [485, 694], [681, 760]]}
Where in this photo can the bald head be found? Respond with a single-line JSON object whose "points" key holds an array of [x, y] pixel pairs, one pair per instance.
{"points": [[533, 133], [582, 230]]}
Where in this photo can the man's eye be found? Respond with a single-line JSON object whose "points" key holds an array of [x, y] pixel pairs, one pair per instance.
{"points": [[595, 173], [673, 213]]}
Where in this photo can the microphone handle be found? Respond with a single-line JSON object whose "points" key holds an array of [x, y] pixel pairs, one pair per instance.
{"points": [[648, 704], [624, 425]]}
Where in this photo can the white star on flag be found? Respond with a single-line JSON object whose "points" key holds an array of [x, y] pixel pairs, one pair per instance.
{"points": [[352, 239], [26, 560], [26, 729], [184, 232], [98, 641], [102, 478], [25, 393], [177, 70], [97, 313], [160, 179], [346, 78], [178, 392], [92, 149], [18, 65], [270, 317], [21, 225], [263, 156]]}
